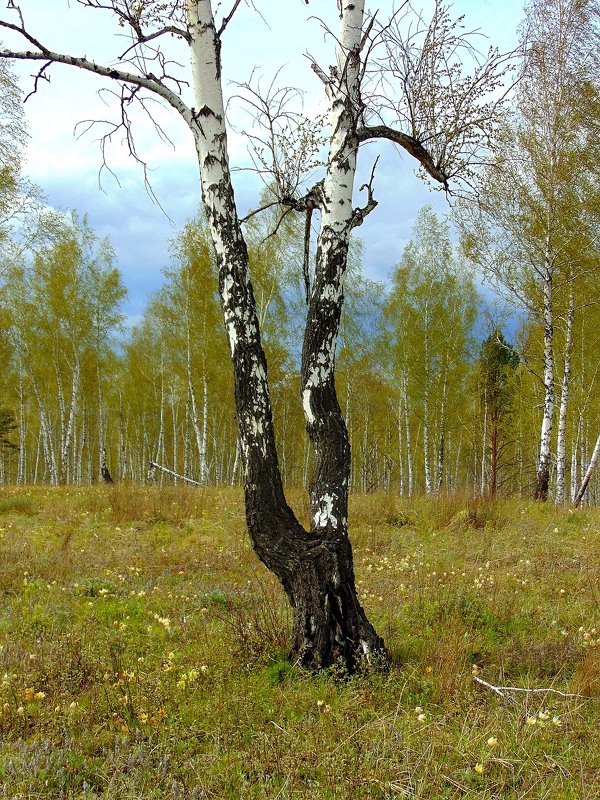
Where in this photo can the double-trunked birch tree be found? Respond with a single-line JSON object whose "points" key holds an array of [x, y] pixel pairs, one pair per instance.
{"points": [[420, 99]]}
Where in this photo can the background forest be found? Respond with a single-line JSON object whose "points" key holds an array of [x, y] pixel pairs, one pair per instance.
{"points": [[440, 391]]}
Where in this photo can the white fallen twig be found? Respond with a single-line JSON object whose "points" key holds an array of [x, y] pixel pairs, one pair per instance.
{"points": [[500, 690], [154, 466]]}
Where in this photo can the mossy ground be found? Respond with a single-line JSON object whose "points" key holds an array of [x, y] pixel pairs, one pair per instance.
{"points": [[142, 653]]}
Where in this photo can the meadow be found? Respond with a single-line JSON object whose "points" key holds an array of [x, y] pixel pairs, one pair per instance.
{"points": [[143, 653]]}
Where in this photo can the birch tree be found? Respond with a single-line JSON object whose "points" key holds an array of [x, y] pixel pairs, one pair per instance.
{"points": [[315, 566]]}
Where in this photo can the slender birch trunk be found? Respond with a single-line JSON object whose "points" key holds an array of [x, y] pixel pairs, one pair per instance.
{"points": [[588, 473], [561, 449], [48, 443], [68, 433], [236, 463], [160, 445], [186, 439], [442, 441], [200, 433], [21, 468], [82, 441], [62, 406], [574, 460], [484, 442], [175, 436], [543, 471], [426, 461], [101, 430], [401, 486], [409, 454], [457, 465], [38, 453], [204, 441]]}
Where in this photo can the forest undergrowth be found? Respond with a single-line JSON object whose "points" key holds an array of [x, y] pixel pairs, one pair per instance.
{"points": [[143, 652]]}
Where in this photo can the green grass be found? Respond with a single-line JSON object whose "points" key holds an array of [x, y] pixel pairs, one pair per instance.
{"points": [[142, 653]]}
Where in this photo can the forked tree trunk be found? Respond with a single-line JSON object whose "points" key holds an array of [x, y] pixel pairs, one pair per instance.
{"points": [[315, 568]]}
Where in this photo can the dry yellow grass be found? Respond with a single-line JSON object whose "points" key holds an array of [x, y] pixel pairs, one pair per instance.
{"points": [[142, 653]]}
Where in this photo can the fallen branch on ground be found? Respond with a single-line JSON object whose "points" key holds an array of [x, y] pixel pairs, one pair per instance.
{"points": [[501, 690], [152, 466]]}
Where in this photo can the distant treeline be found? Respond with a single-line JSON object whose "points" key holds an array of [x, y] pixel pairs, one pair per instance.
{"points": [[435, 396]]}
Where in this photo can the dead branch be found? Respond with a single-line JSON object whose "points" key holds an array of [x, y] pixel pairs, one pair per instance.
{"points": [[502, 691], [253, 213], [227, 19], [408, 143], [153, 465], [360, 214]]}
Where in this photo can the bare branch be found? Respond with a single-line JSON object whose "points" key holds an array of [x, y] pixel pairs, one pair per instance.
{"points": [[145, 39], [227, 19], [360, 214], [40, 76], [153, 466], [251, 214], [408, 143]]}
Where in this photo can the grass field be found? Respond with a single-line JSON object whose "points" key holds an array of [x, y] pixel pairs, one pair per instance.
{"points": [[142, 653]]}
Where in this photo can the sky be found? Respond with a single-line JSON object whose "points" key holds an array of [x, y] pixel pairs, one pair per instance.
{"points": [[65, 161]]}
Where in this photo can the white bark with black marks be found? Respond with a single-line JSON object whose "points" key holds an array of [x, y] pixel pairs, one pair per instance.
{"points": [[543, 470], [561, 442]]}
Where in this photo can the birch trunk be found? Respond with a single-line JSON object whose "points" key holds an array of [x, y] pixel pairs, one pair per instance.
{"points": [[401, 487], [199, 434], [175, 434], [588, 473], [66, 445], [21, 469], [484, 442], [203, 451], [561, 448], [426, 462], [186, 439], [160, 444], [37, 456], [442, 442], [409, 456], [543, 472], [47, 437], [574, 461]]}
